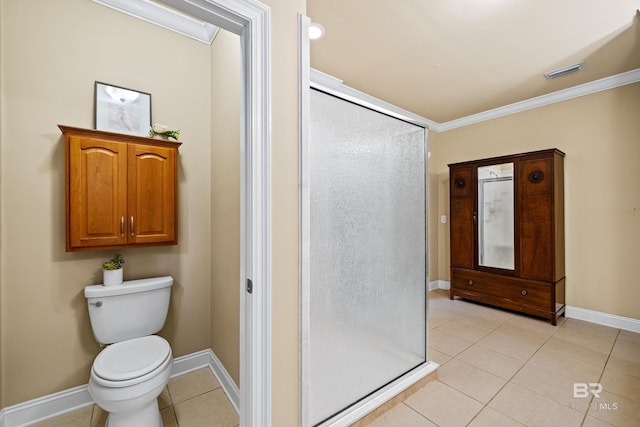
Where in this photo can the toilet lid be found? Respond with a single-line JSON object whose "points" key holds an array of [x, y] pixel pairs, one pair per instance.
{"points": [[132, 358]]}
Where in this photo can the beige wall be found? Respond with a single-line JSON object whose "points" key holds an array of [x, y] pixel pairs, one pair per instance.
{"points": [[284, 213], [599, 134], [52, 52], [225, 201], [432, 204]]}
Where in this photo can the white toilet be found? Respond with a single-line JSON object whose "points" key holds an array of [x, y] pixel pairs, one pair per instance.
{"points": [[128, 375]]}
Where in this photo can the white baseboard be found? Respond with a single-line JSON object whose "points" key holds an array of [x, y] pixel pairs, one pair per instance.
{"points": [[56, 404], [225, 380], [42, 408], [439, 284], [598, 317], [606, 319]]}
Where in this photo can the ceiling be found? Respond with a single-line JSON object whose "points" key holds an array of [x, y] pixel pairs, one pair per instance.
{"points": [[447, 59]]}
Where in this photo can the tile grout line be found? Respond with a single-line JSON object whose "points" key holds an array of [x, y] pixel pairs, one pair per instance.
{"points": [[586, 413], [93, 412], [173, 406], [421, 415], [484, 405], [197, 395], [546, 337], [550, 336], [511, 378]]}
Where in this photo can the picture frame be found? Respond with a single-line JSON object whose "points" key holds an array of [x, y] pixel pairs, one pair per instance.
{"points": [[122, 110]]}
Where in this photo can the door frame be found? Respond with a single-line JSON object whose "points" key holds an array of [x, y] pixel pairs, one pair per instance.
{"points": [[250, 20]]}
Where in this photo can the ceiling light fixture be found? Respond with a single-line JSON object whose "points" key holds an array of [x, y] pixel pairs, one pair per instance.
{"points": [[316, 31], [564, 71]]}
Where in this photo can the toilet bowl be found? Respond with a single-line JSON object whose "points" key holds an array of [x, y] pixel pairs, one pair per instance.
{"points": [[127, 378], [130, 373]]}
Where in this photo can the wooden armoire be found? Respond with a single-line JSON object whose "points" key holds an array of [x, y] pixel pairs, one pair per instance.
{"points": [[507, 232]]}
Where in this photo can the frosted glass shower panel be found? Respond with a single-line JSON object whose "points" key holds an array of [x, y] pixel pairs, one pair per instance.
{"points": [[367, 252]]}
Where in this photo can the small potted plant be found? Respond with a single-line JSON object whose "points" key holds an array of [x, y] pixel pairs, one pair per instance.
{"points": [[112, 271], [164, 132]]}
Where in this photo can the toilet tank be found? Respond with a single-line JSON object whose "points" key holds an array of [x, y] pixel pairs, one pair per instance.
{"points": [[134, 309]]}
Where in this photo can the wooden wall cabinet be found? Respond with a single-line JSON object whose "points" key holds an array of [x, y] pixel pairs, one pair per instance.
{"points": [[522, 265], [121, 190]]}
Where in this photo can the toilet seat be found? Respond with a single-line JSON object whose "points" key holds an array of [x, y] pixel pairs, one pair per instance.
{"points": [[131, 362]]}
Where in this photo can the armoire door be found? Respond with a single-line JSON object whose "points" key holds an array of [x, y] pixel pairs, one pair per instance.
{"points": [[462, 208]]}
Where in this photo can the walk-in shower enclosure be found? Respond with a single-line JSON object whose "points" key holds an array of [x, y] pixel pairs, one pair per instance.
{"points": [[364, 266]]}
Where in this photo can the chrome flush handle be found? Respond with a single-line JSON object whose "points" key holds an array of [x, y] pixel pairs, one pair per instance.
{"points": [[97, 303]]}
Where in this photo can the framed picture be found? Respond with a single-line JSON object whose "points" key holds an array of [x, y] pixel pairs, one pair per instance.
{"points": [[122, 110]]}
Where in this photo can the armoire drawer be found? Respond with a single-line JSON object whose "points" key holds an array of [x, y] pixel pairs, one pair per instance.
{"points": [[507, 288]]}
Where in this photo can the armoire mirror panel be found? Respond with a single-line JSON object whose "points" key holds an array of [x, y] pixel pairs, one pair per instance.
{"points": [[496, 245]]}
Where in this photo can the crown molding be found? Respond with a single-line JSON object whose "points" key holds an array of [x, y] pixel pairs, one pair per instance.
{"points": [[335, 86], [595, 86], [164, 17]]}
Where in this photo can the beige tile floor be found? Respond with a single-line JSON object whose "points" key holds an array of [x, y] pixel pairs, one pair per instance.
{"points": [[190, 400], [497, 368]]}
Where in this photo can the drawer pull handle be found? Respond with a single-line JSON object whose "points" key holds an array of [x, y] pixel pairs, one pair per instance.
{"points": [[470, 282], [523, 292]]}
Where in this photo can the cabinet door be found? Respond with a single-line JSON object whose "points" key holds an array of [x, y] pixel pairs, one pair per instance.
{"points": [[97, 184], [462, 208], [152, 178]]}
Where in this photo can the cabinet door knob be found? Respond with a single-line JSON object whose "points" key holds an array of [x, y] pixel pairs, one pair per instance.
{"points": [[470, 282], [132, 232], [523, 292]]}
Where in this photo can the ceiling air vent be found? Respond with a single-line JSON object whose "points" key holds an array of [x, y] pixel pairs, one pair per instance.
{"points": [[564, 71]]}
